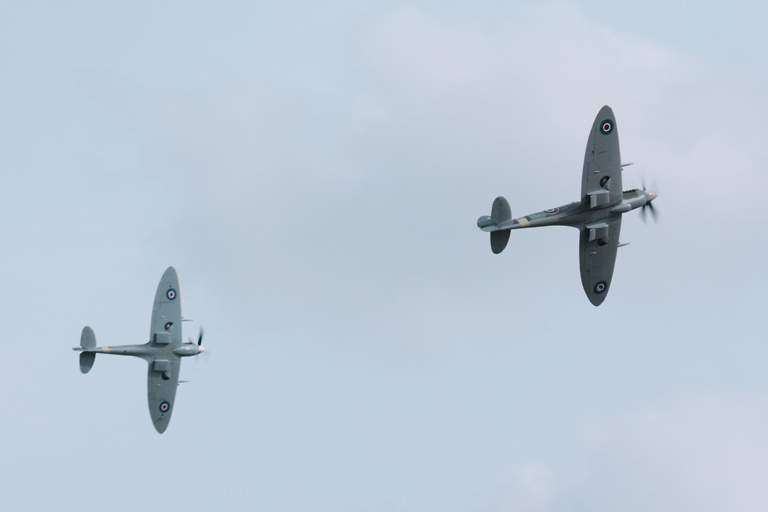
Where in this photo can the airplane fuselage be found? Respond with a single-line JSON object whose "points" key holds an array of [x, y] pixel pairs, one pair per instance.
{"points": [[578, 214], [148, 351]]}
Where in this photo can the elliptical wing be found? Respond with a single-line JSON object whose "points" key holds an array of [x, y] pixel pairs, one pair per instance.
{"points": [[598, 244], [162, 382], [165, 330], [601, 175], [166, 309]]}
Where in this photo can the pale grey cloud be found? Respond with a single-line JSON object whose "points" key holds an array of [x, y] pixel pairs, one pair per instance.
{"points": [[315, 176], [682, 451]]}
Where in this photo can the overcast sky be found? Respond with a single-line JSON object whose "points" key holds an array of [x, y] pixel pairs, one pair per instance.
{"points": [[314, 172]]}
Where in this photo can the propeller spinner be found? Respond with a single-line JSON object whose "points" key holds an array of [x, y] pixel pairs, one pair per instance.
{"points": [[649, 197]]}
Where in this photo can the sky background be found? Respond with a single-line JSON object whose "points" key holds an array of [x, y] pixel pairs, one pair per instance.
{"points": [[314, 171]]}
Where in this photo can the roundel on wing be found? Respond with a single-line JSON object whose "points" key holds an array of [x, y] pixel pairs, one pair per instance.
{"points": [[606, 127], [171, 294], [164, 406], [601, 287]]}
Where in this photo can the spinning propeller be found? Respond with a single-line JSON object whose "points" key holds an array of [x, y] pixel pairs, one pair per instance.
{"points": [[200, 346], [650, 197]]}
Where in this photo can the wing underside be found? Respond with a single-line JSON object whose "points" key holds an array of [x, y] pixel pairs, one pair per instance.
{"points": [[162, 382], [597, 256], [165, 335], [166, 309], [601, 176]]}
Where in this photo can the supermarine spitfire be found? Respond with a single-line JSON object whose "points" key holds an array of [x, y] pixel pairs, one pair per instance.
{"points": [[597, 215], [163, 351]]}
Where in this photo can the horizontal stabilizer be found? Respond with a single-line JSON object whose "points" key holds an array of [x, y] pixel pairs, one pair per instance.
{"points": [[88, 338], [499, 240], [500, 212], [86, 361]]}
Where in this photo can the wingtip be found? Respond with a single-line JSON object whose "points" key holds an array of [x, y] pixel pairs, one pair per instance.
{"points": [[596, 300]]}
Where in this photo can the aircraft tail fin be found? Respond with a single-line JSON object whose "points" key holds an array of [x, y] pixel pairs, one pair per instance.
{"points": [[87, 340], [500, 213]]}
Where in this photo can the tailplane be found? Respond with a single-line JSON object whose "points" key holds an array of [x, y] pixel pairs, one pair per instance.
{"points": [[87, 341], [500, 213], [499, 240]]}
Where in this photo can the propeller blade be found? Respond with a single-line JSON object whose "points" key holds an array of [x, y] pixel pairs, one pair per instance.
{"points": [[642, 214], [654, 213], [200, 338]]}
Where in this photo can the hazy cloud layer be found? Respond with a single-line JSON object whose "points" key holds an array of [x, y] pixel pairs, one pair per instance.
{"points": [[315, 174]]}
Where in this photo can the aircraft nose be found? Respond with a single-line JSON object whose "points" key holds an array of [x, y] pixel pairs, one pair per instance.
{"points": [[200, 349], [650, 196]]}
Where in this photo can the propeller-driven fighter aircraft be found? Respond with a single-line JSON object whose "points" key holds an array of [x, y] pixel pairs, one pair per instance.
{"points": [[597, 215], [163, 351]]}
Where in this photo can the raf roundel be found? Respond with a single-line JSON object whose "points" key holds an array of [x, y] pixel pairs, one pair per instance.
{"points": [[600, 287], [164, 406], [606, 127], [171, 294], [552, 211]]}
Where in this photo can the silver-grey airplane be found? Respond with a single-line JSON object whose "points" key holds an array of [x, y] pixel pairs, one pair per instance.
{"points": [[163, 351], [597, 215]]}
